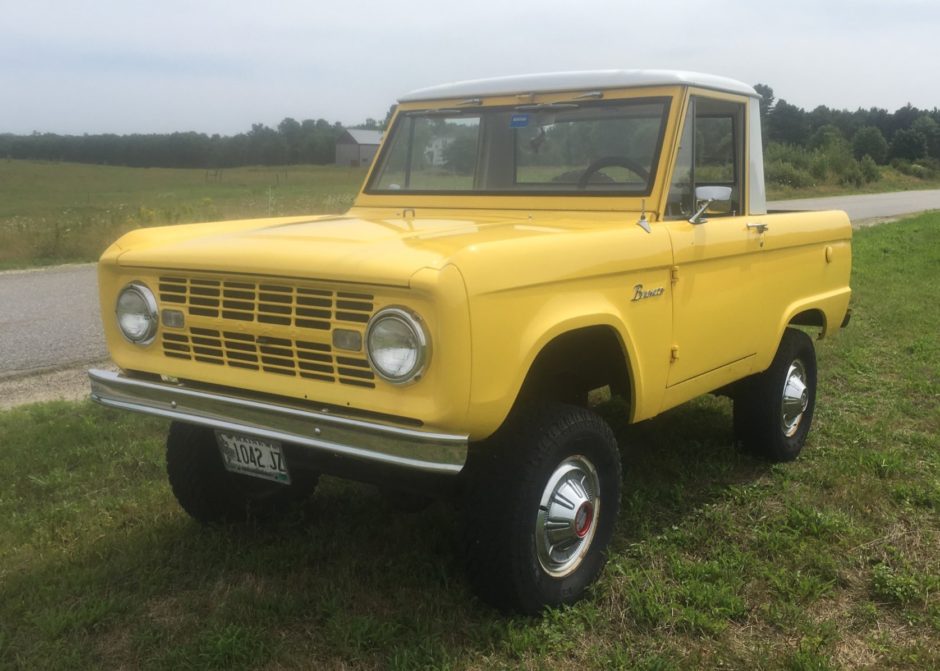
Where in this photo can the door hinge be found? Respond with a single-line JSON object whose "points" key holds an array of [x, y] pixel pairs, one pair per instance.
{"points": [[674, 354], [674, 274]]}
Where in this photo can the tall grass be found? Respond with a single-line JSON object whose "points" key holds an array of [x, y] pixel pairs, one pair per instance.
{"points": [[58, 212]]}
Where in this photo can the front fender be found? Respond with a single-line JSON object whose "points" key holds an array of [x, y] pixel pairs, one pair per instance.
{"points": [[510, 329]]}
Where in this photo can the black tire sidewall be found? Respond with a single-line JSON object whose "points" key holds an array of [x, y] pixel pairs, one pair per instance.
{"points": [[759, 408], [538, 586], [508, 476]]}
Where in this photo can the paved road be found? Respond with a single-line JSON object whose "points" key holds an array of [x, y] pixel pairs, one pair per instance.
{"points": [[49, 319], [869, 206]]}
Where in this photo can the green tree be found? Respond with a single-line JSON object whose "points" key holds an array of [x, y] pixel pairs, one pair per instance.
{"points": [[766, 99], [388, 116], [826, 136], [788, 124], [292, 133], [930, 129], [908, 144], [869, 141]]}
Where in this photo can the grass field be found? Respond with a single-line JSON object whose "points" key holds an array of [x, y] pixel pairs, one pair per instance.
{"points": [[63, 212], [67, 212], [830, 562]]}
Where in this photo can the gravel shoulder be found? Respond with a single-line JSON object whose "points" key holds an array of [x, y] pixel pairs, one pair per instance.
{"points": [[70, 384]]}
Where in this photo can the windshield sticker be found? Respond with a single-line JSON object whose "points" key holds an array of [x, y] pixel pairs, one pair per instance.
{"points": [[519, 121]]}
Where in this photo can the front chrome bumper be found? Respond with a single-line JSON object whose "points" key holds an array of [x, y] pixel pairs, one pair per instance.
{"points": [[327, 433]]}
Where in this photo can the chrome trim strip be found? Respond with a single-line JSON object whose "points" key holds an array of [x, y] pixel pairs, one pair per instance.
{"points": [[415, 449]]}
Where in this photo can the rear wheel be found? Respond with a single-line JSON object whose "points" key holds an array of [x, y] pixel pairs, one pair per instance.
{"points": [[773, 410], [210, 493], [541, 504]]}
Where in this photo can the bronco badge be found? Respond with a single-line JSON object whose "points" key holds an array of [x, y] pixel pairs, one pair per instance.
{"points": [[639, 293]]}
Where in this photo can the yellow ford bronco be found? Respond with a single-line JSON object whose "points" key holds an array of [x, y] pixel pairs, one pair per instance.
{"points": [[519, 244]]}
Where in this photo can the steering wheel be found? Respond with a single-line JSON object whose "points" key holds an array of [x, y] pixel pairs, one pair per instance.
{"points": [[608, 162]]}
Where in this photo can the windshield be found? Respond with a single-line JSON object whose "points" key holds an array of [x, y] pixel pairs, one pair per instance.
{"points": [[608, 147]]}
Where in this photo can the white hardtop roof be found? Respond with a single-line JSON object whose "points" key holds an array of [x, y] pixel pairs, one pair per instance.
{"points": [[577, 81]]}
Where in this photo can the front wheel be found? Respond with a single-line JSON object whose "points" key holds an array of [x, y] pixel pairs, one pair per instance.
{"points": [[541, 505], [773, 410]]}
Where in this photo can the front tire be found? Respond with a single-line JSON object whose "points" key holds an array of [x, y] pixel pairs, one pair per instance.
{"points": [[542, 500], [773, 410], [210, 493]]}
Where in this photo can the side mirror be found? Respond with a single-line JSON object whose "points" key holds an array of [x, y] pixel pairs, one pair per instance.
{"points": [[705, 196]]}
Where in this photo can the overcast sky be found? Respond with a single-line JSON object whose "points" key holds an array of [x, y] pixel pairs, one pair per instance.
{"points": [[217, 66]]}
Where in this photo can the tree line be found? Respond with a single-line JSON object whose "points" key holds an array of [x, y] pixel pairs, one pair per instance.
{"points": [[292, 142], [909, 133], [830, 146], [906, 137]]}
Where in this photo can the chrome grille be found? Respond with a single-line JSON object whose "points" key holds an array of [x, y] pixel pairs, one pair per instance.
{"points": [[220, 313]]}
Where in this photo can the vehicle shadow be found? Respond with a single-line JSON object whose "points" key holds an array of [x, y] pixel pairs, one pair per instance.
{"points": [[345, 578], [676, 463]]}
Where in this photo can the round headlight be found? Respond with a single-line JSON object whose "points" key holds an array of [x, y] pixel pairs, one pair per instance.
{"points": [[136, 312], [397, 345]]}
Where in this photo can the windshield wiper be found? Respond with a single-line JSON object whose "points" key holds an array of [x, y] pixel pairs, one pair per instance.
{"points": [[538, 107], [436, 112]]}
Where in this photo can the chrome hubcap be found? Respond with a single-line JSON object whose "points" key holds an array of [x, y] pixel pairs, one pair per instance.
{"points": [[795, 398], [567, 516]]}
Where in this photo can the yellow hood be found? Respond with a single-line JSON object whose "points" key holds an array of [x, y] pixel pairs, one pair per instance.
{"points": [[364, 246]]}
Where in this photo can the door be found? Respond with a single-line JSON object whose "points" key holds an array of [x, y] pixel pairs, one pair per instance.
{"points": [[717, 281]]}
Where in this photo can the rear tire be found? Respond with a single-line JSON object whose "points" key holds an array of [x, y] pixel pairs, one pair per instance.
{"points": [[211, 494], [773, 411], [541, 504]]}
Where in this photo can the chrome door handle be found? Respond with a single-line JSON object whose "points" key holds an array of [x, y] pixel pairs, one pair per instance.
{"points": [[760, 228]]}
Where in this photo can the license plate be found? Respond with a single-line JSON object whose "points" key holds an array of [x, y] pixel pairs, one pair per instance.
{"points": [[253, 456]]}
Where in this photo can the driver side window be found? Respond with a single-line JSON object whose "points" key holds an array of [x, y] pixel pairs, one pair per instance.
{"points": [[711, 153]]}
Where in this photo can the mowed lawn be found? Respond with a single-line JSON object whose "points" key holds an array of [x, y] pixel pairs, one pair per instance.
{"points": [[719, 561], [61, 212]]}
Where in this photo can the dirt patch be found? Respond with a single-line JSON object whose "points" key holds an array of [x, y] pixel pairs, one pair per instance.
{"points": [[875, 221], [70, 384]]}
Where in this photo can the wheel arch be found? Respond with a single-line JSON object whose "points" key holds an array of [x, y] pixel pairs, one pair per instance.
{"points": [[811, 317], [824, 311], [576, 357]]}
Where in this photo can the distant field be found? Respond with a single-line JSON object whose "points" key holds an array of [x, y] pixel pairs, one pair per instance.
{"points": [[59, 212], [67, 212], [718, 561]]}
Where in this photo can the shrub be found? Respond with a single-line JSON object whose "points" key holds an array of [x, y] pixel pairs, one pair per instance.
{"points": [[932, 165], [819, 168], [798, 157], [852, 175], [869, 168], [910, 169], [838, 155], [783, 173]]}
